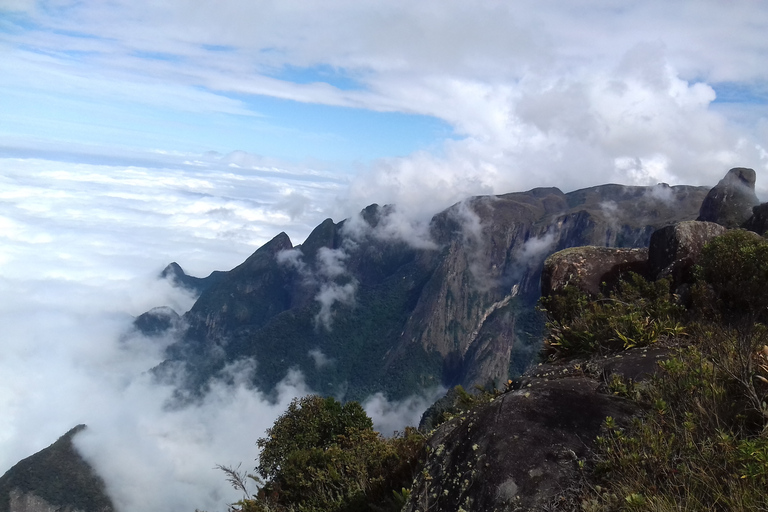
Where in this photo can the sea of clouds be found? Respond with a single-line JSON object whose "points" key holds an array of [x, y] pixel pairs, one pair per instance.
{"points": [[81, 246]]}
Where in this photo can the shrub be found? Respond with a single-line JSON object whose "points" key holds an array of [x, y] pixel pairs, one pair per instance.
{"points": [[638, 313], [322, 455], [702, 443], [735, 267]]}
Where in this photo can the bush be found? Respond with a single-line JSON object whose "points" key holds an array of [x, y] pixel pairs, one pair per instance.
{"points": [[702, 443], [310, 422], [638, 313], [322, 455], [702, 440], [735, 267]]}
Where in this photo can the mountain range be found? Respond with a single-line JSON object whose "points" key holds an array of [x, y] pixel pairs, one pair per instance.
{"points": [[377, 303], [373, 304]]}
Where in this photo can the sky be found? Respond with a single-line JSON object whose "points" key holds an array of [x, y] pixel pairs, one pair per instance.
{"points": [[136, 133]]}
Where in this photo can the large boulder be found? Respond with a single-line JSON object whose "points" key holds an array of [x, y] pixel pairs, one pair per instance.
{"points": [[673, 250], [522, 451], [758, 222], [731, 201], [591, 269], [518, 452]]}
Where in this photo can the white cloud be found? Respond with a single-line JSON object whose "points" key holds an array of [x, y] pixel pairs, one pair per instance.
{"points": [[82, 245], [156, 458], [320, 359], [329, 295], [390, 417]]}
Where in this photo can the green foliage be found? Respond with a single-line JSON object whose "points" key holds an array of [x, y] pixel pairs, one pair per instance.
{"points": [[703, 442], [311, 422], [637, 314], [322, 455], [60, 476], [735, 267]]}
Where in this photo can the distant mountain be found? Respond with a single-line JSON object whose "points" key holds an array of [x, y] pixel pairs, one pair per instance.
{"points": [[364, 305], [176, 274], [55, 479]]}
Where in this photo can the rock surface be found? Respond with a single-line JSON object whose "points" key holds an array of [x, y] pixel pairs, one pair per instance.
{"points": [[758, 222], [590, 268], [522, 451], [157, 321], [176, 274], [673, 249], [731, 201]]}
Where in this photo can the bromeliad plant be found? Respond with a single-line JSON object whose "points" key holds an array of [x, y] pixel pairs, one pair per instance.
{"points": [[637, 314]]}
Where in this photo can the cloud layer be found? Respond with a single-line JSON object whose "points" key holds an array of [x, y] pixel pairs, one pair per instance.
{"points": [[82, 245]]}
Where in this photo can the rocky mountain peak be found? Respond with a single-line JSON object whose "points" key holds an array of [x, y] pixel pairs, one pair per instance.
{"points": [[731, 201]]}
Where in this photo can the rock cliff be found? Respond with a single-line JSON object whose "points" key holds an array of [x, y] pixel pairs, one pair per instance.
{"points": [[393, 312], [730, 203]]}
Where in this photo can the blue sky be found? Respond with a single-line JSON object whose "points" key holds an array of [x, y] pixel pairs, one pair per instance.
{"points": [[473, 95], [134, 133]]}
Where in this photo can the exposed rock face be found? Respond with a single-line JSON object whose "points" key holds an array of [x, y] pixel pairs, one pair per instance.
{"points": [[396, 312], [157, 321], [674, 249], [590, 268], [758, 222], [521, 451], [56, 479], [731, 201], [30, 502]]}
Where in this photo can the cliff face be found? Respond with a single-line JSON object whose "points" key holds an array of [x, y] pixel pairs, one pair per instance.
{"points": [[362, 307]]}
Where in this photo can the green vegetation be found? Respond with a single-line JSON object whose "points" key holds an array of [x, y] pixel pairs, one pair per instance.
{"points": [[60, 476], [734, 269], [637, 314], [702, 443], [702, 440], [322, 455]]}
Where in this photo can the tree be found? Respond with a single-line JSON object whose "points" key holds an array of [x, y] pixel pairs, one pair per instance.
{"points": [[324, 455], [310, 422]]}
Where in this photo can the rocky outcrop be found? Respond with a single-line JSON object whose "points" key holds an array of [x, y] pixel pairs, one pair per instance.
{"points": [[157, 321], [55, 479], [176, 275], [522, 451], [758, 222], [590, 269], [731, 201], [674, 249], [30, 502]]}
